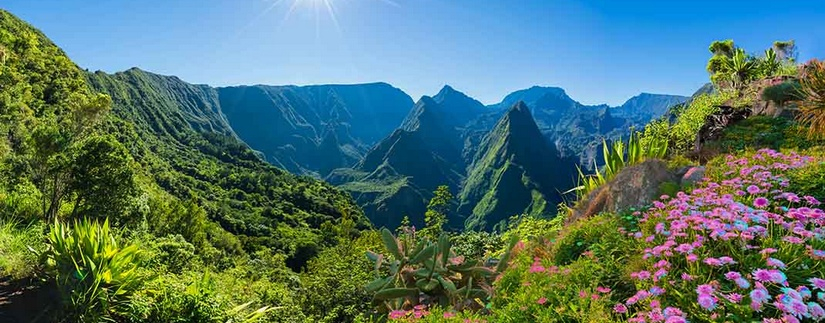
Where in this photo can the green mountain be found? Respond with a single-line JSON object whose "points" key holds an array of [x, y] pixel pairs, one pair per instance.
{"points": [[577, 129], [515, 171], [313, 129], [192, 175], [399, 174], [493, 157]]}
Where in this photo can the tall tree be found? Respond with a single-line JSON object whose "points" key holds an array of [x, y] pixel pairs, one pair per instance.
{"points": [[102, 178], [436, 215], [52, 142]]}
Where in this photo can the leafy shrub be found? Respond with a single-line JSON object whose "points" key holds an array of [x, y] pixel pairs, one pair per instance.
{"points": [[333, 284], [682, 134], [570, 279], [528, 228], [764, 132], [95, 275], [21, 203], [808, 180], [782, 93], [422, 270], [476, 244], [172, 253], [812, 107]]}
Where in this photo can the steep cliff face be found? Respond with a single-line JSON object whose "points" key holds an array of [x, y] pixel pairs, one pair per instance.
{"points": [[516, 171], [314, 129]]}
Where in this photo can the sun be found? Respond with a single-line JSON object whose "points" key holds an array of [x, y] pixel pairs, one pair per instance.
{"points": [[319, 7]]}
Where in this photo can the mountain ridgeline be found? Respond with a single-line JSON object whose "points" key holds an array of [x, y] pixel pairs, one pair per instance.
{"points": [[372, 141]]}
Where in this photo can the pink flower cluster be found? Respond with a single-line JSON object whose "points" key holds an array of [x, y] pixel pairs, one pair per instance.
{"points": [[738, 247]]}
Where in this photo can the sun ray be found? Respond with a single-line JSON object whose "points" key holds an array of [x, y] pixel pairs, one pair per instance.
{"points": [[331, 11]]}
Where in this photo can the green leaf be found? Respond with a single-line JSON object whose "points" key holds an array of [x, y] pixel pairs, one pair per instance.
{"points": [[448, 285], [378, 284], [391, 243], [424, 254], [392, 293]]}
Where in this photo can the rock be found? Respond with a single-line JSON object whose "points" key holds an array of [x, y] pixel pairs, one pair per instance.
{"points": [[762, 107], [634, 186], [693, 175], [716, 123]]}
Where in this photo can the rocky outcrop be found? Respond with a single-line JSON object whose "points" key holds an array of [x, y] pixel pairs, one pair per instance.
{"points": [[764, 107], [716, 123], [634, 186]]}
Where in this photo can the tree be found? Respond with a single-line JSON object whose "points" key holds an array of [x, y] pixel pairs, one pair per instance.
{"points": [[436, 215], [786, 50], [102, 178], [52, 141]]}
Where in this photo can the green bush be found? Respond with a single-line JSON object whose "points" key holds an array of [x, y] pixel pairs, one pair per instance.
{"points": [[172, 253], [808, 180], [783, 92], [95, 275], [555, 281], [682, 133], [476, 244], [764, 132], [333, 284]]}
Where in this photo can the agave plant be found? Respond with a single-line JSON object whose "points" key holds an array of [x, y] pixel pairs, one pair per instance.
{"points": [[769, 64], [418, 270], [94, 274], [740, 68], [812, 107], [617, 157]]}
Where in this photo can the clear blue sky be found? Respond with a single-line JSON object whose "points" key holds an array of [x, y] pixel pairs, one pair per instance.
{"points": [[599, 51]]}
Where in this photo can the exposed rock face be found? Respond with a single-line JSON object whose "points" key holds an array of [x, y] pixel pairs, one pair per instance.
{"points": [[693, 175], [716, 123], [634, 186], [768, 108]]}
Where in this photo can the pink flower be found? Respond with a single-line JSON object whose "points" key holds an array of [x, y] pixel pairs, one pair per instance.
{"points": [[817, 283], [761, 202], [603, 290], [704, 289], [397, 314], [620, 308], [542, 300], [449, 315]]}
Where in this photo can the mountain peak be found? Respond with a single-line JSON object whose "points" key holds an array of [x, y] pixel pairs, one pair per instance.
{"points": [[519, 107]]}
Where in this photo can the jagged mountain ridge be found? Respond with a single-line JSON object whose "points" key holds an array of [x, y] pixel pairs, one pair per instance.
{"points": [[514, 171], [314, 129], [566, 133], [325, 131]]}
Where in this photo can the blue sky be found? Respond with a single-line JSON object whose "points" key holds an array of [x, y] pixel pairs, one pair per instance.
{"points": [[599, 51]]}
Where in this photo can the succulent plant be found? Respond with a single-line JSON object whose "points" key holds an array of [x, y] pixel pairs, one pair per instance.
{"points": [[420, 271]]}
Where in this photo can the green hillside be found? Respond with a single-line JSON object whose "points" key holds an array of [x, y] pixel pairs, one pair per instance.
{"points": [[515, 171]]}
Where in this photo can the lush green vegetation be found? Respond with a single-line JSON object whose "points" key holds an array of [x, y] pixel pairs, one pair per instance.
{"points": [[618, 156], [126, 197], [129, 198]]}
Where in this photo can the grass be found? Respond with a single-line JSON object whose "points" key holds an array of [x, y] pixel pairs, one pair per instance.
{"points": [[16, 258]]}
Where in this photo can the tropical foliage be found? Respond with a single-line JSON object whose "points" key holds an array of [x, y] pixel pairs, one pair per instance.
{"points": [[95, 275], [812, 107], [618, 156]]}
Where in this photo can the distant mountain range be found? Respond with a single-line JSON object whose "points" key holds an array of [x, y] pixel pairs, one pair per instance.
{"points": [[390, 153]]}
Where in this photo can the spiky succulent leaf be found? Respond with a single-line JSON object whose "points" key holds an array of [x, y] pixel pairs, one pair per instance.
{"points": [[393, 293]]}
